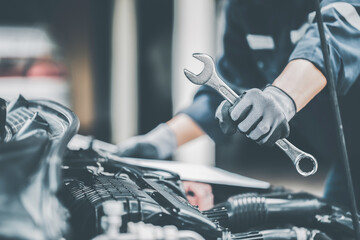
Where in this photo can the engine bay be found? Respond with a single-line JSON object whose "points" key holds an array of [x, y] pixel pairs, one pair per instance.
{"points": [[51, 189]]}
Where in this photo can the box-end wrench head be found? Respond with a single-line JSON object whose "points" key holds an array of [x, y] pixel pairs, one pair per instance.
{"points": [[304, 163]]}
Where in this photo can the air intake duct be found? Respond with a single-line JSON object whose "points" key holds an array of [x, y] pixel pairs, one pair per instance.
{"points": [[246, 211]]}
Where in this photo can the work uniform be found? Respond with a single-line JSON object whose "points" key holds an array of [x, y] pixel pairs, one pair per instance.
{"points": [[260, 38]]}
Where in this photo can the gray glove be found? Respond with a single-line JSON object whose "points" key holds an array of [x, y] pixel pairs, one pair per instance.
{"points": [[262, 115], [160, 143]]}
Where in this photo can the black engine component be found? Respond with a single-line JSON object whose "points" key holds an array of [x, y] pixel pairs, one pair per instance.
{"points": [[293, 233], [280, 234], [265, 211], [155, 196], [252, 210], [147, 195]]}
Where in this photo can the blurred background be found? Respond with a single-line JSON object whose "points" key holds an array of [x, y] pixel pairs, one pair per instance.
{"points": [[118, 64]]}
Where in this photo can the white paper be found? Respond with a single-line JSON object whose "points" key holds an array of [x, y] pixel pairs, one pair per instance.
{"points": [[186, 171]]}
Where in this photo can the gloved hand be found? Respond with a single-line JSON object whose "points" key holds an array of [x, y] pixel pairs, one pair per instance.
{"points": [[262, 115], [160, 143]]}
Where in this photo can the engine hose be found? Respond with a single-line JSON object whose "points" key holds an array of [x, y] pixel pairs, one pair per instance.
{"points": [[246, 211], [293, 233]]}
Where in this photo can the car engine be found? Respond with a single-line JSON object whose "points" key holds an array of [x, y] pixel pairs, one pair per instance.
{"points": [[53, 189]]}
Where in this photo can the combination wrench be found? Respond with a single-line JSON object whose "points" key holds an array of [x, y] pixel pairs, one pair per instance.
{"points": [[210, 78]]}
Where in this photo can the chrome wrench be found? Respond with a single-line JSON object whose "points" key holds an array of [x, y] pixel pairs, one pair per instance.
{"points": [[210, 78]]}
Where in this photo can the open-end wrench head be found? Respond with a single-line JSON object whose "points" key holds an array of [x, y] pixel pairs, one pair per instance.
{"points": [[207, 72]]}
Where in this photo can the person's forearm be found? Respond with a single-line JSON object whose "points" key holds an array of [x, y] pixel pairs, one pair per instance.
{"points": [[302, 81], [184, 128]]}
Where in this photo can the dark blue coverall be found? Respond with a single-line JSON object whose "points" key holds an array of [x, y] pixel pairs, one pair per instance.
{"points": [[260, 38]]}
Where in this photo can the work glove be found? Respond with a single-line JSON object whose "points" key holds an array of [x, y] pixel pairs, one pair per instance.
{"points": [[160, 143], [262, 116]]}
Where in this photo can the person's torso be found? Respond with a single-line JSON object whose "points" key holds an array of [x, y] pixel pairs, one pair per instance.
{"points": [[261, 34]]}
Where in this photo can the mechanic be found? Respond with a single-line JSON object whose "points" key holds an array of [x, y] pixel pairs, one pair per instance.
{"points": [[272, 50]]}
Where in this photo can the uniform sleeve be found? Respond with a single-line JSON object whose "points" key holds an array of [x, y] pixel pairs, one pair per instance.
{"points": [[342, 30], [202, 111]]}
